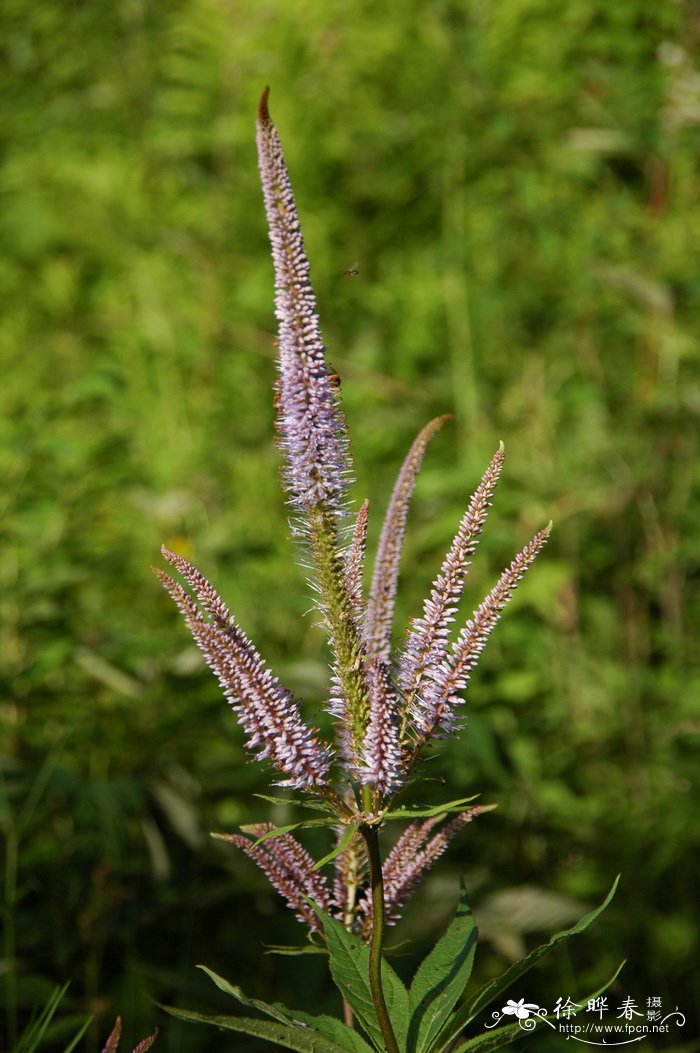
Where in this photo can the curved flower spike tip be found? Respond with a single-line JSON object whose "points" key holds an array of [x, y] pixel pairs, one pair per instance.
{"points": [[312, 430], [265, 709]]}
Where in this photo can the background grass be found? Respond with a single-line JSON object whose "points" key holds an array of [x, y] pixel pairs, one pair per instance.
{"points": [[517, 186]]}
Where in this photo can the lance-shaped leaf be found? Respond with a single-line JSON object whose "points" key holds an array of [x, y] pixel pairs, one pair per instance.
{"points": [[327, 1026], [289, 868], [426, 646], [382, 596], [441, 978], [300, 1037], [491, 990], [266, 710], [503, 1037], [349, 962], [435, 703], [312, 430]]}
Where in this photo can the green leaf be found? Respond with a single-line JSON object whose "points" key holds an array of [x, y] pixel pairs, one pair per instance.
{"points": [[340, 847], [436, 809], [289, 1036], [292, 952], [275, 1010], [497, 986], [334, 1029], [325, 1025], [504, 1036], [277, 831], [315, 805], [441, 978], [349, 962]]}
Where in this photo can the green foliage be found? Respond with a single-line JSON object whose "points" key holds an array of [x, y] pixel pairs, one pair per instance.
{"points": [[43, 1027], [422, 1015], [518, 185], [441, 978]]}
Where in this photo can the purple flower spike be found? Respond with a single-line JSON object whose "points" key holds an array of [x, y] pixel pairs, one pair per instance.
{"points": [[312, 429], [380, 609], [435, 704], [427, 642], [409, 861], [265, 709], [383, 766], [289, 868]]}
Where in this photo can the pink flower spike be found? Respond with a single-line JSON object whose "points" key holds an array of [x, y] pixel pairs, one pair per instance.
{"points": [[312, 430], [382, 595], [265, 709], [409, 861], [426, 646], [435, 704], [289, 868], [382, 765], [355, 559]]}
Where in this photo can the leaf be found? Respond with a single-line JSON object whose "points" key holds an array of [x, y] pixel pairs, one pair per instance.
{"points": [[290, 1036], [310, 948], [315, 805], [340, 847], [436, 809], [349, 962], [325, 1025], [499, 984], [278, 831], [441, 977], [504, 1036], [275, 1010], [334, 1029]]}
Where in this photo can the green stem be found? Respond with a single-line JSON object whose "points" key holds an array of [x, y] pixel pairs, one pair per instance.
{"points": [[371, 836]]}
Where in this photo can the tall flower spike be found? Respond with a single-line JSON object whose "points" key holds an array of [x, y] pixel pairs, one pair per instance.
{"points": [[312, 430], [435, 704], [289, 868], [265, 709], [382, 595], [426, 646]]}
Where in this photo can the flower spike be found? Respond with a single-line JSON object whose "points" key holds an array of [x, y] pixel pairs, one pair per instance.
{"points": [[383, 760], [265, 709], [312, 429], [434, 706], [427, 642], [409, 861], [289, 868], [380, 609]]}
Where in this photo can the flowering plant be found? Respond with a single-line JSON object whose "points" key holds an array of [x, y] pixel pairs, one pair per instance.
{"points": [[387, 705]]}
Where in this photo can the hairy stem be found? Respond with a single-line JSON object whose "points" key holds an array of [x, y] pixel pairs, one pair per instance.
{"points": [[371, 836]]}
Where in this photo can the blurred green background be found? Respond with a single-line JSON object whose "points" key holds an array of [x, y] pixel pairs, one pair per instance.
{"points": [[517, 185]]}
